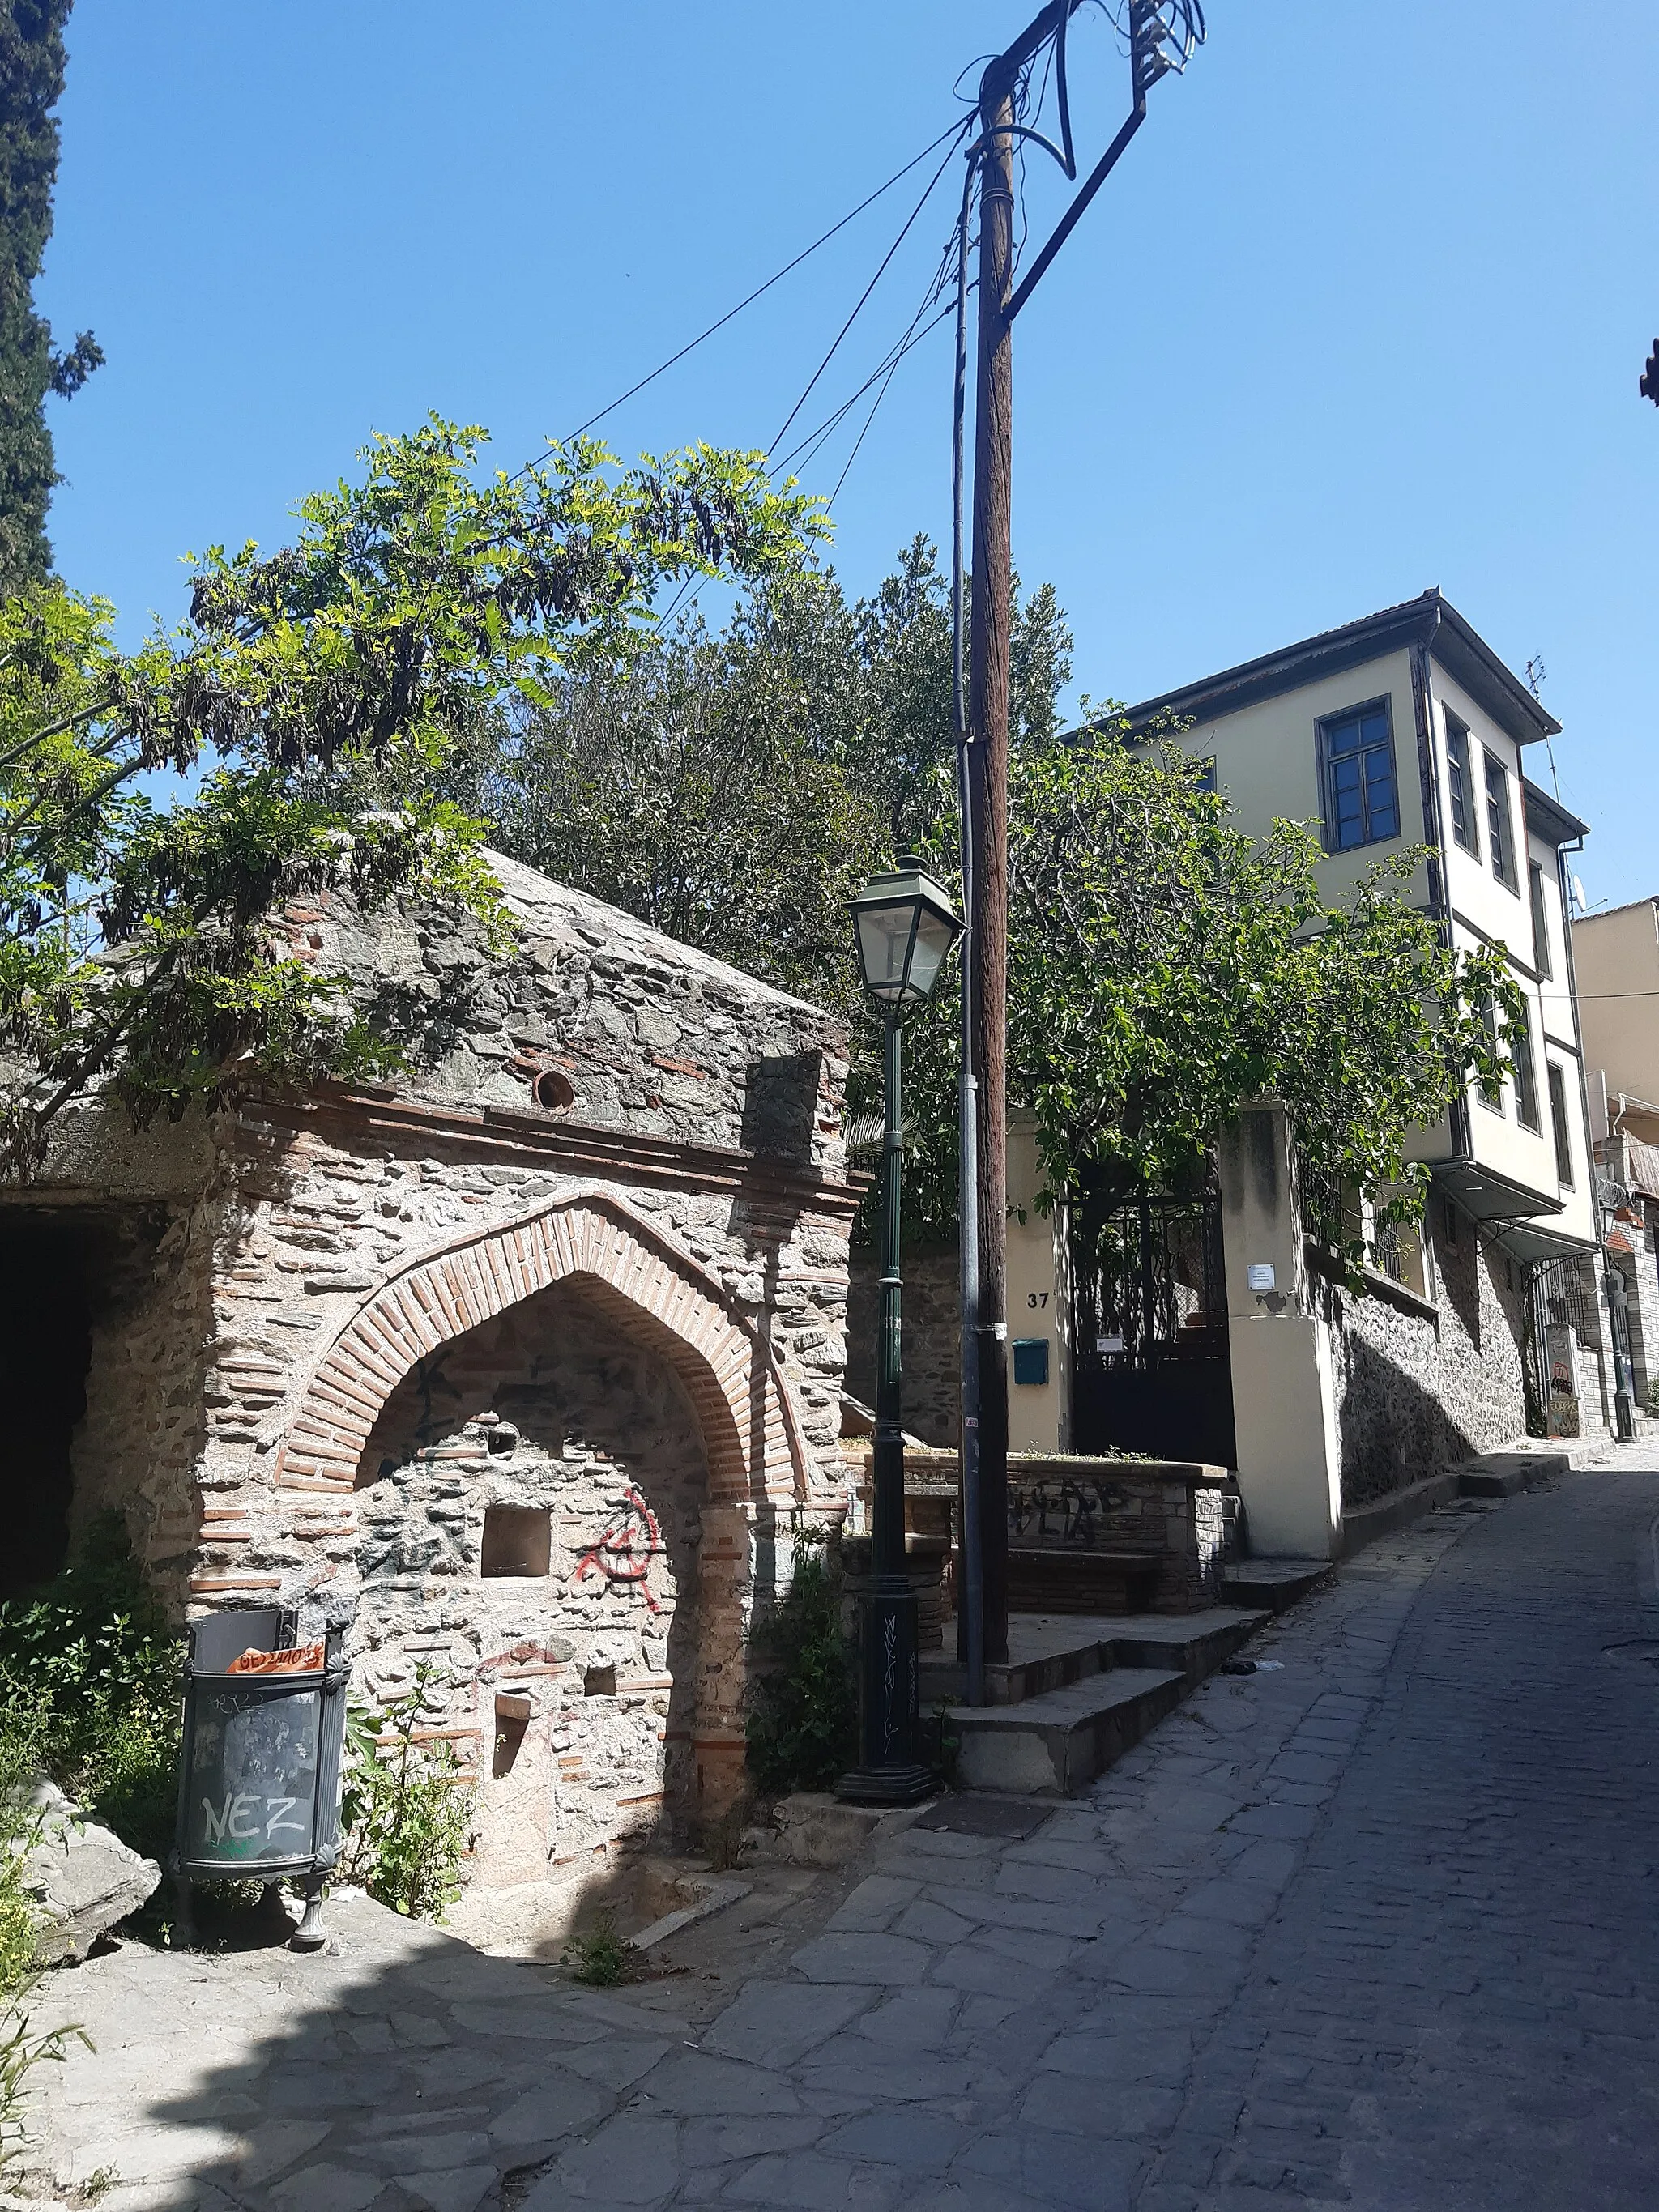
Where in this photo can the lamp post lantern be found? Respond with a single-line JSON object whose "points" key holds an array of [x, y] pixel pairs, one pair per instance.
{"points": [[905, 927]]}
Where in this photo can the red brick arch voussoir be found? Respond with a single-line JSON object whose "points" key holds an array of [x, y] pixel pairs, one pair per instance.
{"points": [[654, 1292]]}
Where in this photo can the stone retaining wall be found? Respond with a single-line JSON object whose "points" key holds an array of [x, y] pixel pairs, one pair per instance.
{"points": [[1414, 1394], [1070, 1516]]}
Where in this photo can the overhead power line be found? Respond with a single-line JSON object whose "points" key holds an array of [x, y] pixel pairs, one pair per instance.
{"points": [[760, 290], [882, 374], [959, 132]]}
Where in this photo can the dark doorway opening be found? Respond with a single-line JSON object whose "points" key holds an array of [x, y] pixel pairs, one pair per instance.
{"points": [[45, 1346], [1152, 1370]]}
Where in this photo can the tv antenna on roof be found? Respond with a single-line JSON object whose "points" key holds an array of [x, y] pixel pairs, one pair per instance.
{"points": [[1536, 672]]}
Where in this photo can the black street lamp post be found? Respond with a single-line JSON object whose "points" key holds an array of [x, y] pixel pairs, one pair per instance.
{"points": [[905, 928]]}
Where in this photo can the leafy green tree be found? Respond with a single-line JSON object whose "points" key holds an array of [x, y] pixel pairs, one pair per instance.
{"points": [[31, 79], [1165, 969], [735, 788], [136, 944]]}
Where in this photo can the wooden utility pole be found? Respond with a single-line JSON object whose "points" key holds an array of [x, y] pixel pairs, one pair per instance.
{"points": [[1162, 36], [989, 646]]}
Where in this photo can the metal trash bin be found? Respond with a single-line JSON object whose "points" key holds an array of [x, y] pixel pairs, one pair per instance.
{"points": [[259, 1778]]}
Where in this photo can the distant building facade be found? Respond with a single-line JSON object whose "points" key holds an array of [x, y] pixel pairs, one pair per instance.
{"points": [[1220, 1325], [1404, 729], [1616, 954]]}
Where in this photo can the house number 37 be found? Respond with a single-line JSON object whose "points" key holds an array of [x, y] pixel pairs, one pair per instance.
{"points": [[1036, 1298]]}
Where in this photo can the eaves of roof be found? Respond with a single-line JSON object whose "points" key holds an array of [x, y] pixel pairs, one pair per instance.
{"points": [[1549, 819], [1430, 620]]}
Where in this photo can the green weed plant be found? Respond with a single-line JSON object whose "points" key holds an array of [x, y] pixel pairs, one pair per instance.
{"points": [[804, 1703], [406, 1814], [599, 1956], [90, 1690]]}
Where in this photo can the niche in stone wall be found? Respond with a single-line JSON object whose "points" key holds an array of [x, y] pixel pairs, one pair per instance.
{"points": [[518, 1539], [558, 1579], [512, 1720]]}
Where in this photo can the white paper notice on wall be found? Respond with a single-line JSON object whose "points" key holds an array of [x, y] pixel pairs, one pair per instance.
{"points": [[1260, 1274]]}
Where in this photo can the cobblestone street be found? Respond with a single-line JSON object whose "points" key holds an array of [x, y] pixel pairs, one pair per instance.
{"points": [[1374, 1928]]}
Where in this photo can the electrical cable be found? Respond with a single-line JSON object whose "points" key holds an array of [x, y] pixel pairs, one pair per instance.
{"points": [[955, 133], [883, 374], [808, 446], [960, 132], [731, 314], [909, 339]]}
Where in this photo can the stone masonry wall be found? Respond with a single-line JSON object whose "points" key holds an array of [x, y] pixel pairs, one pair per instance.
{"points": [[136, 1449], [1067, 1514], [653, 1036], [746, 1305], [609, 1192], [933, 1310], [1412, 1397], [1631, 1248]]}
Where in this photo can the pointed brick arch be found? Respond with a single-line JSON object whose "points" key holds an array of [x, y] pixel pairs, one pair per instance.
{"points": [[653, 1292]]}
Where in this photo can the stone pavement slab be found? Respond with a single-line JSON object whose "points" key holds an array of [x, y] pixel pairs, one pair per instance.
{"points": [[1375, 1930]]}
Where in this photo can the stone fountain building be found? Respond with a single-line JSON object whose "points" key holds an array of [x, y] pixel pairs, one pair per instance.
{"points": [[525, 1370]]}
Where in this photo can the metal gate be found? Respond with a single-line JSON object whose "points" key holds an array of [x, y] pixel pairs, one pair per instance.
{"points": [[1555, 1303], [1150, 1365]]}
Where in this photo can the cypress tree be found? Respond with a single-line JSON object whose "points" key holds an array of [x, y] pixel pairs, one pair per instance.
{"points": [[31, 79]]}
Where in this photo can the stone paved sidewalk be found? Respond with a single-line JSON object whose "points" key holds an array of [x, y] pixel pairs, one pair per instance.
{"points": [[1376, 1928]]}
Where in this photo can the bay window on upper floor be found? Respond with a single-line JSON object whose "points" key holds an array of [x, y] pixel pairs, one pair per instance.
{"points": [[1360, 790]]}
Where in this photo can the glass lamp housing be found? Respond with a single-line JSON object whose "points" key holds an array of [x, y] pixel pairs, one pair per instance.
{"points": [[905, 927]]}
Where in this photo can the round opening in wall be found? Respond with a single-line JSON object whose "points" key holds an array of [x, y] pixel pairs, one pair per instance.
{"points": [[553, 1091]]}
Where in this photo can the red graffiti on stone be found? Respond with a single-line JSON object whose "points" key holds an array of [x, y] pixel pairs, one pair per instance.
{"points": [[625, 1553]]}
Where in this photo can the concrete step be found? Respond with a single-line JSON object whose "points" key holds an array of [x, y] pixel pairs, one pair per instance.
{"points": [[1505, 1473], [1055, 1744], [1049, 1652], [1196, 1642], [1275, 1583]]}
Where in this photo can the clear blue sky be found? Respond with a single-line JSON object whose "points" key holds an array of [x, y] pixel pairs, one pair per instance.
{"points": [[1363, 310]]}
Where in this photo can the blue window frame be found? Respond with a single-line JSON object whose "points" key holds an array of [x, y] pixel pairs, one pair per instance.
{"points": [[1361, 791]]}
